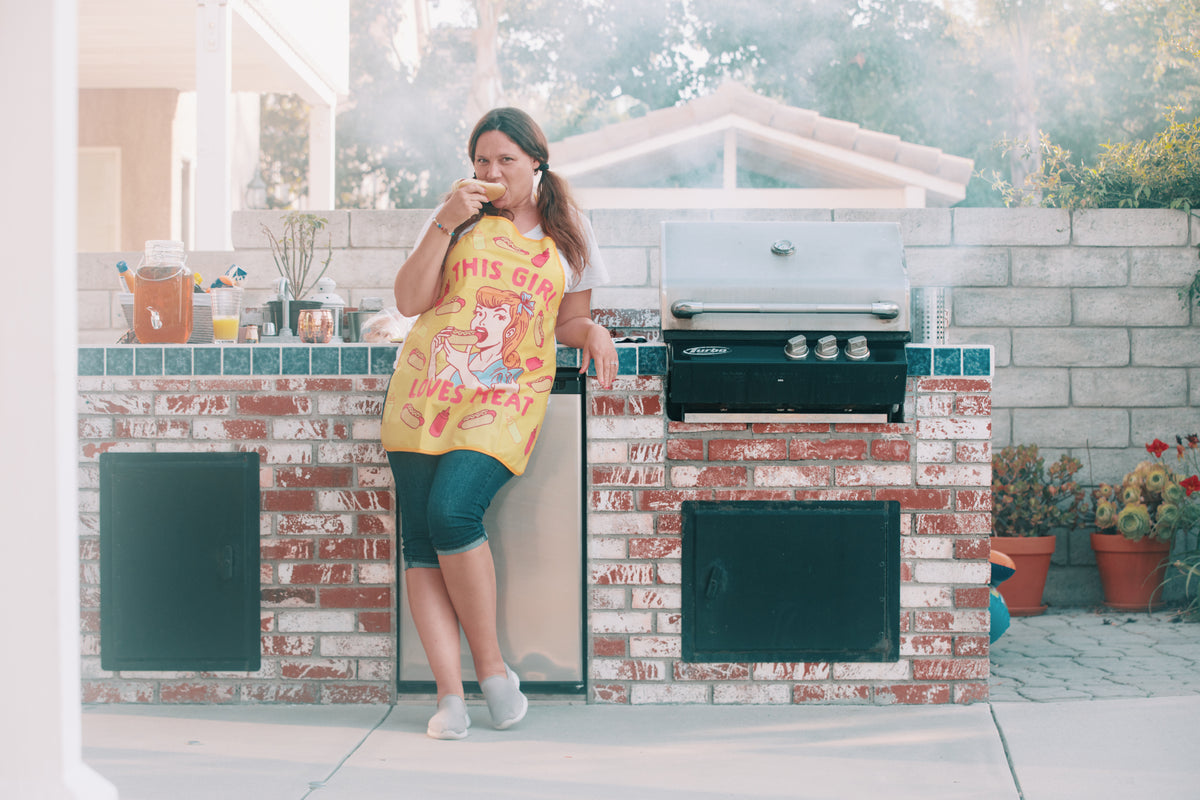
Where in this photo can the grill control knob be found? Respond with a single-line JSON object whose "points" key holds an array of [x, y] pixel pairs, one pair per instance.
{"points": [[827, 348], [797, 348], [856, 348]]}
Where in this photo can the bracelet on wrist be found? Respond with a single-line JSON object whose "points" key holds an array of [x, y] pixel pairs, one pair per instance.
{"points": [[442, 227]]}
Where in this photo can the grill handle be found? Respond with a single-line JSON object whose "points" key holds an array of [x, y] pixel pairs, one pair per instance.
{"points": [[686, 309]]}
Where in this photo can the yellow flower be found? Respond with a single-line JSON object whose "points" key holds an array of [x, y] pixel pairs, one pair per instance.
{"points": [[1157, 478], [1168, 517], [1174, 494], [1133, 521], [1106, 514]]}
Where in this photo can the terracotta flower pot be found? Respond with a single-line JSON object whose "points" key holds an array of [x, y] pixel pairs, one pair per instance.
{"points": [[1131, 573], [1022, 592]]}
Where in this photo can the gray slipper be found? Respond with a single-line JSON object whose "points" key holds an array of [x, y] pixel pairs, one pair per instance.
{"points": [[504, 699], [451, 720]]}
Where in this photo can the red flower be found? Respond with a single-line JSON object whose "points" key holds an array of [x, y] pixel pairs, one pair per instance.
{"points": [[1157, 448], [1191, 484]]}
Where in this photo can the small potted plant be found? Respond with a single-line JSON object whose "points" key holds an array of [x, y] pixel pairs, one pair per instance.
{"points": [[294, 251], [1029, 502], [1137, 522]]}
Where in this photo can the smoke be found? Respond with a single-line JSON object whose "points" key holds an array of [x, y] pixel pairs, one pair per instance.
{"points": [[933, 72]]}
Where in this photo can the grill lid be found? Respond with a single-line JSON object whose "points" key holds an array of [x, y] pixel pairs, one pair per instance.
{"points": [[834, 276]]}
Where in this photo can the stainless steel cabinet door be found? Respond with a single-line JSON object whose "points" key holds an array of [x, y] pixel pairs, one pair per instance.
{"points": [[535, 529]]}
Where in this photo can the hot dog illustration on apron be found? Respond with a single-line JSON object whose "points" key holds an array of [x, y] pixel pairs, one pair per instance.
{"points": [[476, 370]]}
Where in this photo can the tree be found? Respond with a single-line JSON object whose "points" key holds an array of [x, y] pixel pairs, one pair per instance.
{"points": [[283, 148], [960, 75], [400, 138], [487, 88], [1085, 73]]}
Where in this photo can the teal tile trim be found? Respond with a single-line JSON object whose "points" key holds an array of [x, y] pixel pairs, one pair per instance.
{"points": [[326, 360], [206, 361], [118, 361], [178, 361], [296, 360], [383, 359], [567, 357], [148, 361], [942, 360], [641, 358], [977, 361], [651, 359], [235, 361], [90, 361], [920, 360], [947, 361], [266, 360], [355, 360]]}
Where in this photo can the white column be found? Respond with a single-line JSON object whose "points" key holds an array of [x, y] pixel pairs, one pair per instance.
{"points": [[214, 65], [729, 161], [321, 157], [40, 738]]}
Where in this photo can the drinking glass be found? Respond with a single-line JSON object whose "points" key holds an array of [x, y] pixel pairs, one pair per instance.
{"points": [[226, 313]]}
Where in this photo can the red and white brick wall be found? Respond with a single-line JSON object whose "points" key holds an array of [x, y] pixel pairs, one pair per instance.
{"points": [[642, 466], [328, 538]]}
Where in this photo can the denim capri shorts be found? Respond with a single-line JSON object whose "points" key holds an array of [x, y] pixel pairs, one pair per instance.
{"points": [[441, 501]]}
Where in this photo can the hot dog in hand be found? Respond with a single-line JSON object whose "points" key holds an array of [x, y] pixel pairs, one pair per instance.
{"points": [[494, 191]]}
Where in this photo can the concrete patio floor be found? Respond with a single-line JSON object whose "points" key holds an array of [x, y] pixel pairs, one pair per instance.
{"points": [[1030, 745]]}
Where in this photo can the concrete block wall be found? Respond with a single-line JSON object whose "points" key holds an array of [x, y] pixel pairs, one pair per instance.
{"points": [[1095, 354]]}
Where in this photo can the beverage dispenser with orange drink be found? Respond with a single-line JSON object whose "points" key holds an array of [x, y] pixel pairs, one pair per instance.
{"points": [[162, 295]]}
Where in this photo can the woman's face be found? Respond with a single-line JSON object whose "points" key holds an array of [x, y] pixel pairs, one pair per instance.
{"points": [[489, 325], [498, 159]]}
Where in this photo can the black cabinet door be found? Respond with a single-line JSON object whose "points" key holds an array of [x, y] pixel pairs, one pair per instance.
{"points": [[179, 561], [791, 581]]}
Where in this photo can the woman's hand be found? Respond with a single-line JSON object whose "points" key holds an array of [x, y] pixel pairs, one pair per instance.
{"points": [[463, 203], [576, 329], [599, 347], [418, 281]]}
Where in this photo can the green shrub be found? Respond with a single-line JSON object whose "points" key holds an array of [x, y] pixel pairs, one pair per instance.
{"points": [[1162, 172], [1031, 499]]}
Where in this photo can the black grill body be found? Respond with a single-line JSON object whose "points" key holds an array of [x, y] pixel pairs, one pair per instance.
{"points": [[744, 375]]}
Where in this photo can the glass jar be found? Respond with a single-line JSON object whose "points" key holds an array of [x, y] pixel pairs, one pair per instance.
{"points": [[162, 295]]}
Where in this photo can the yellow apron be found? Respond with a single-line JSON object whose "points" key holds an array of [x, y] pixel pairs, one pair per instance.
{"points": [[476, 370]]}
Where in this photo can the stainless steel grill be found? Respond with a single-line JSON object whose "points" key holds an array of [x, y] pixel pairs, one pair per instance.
{"points": [[785, 321]]}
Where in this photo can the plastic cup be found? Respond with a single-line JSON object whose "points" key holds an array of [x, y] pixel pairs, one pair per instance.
{"points": [[226, 313]]}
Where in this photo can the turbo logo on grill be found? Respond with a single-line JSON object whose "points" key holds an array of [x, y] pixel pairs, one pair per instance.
{"points": [[707, 350]]}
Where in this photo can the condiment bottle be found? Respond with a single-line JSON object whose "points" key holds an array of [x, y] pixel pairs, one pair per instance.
{"points": [[162, 295], [439, 422]]}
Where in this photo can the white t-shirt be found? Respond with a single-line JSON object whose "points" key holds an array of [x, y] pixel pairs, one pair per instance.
{"points": [[594, 274]]}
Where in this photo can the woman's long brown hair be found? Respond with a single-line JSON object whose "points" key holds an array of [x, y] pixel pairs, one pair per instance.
{"points": [[560, 216]]}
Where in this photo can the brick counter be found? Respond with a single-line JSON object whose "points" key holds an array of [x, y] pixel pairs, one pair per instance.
{"points": [[329, 540]]}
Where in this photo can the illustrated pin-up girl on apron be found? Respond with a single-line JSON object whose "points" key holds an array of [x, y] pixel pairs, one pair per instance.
{"points": [[499, 324]]}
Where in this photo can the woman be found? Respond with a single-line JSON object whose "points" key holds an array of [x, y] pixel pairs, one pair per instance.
{"points": [[471, 385]]}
